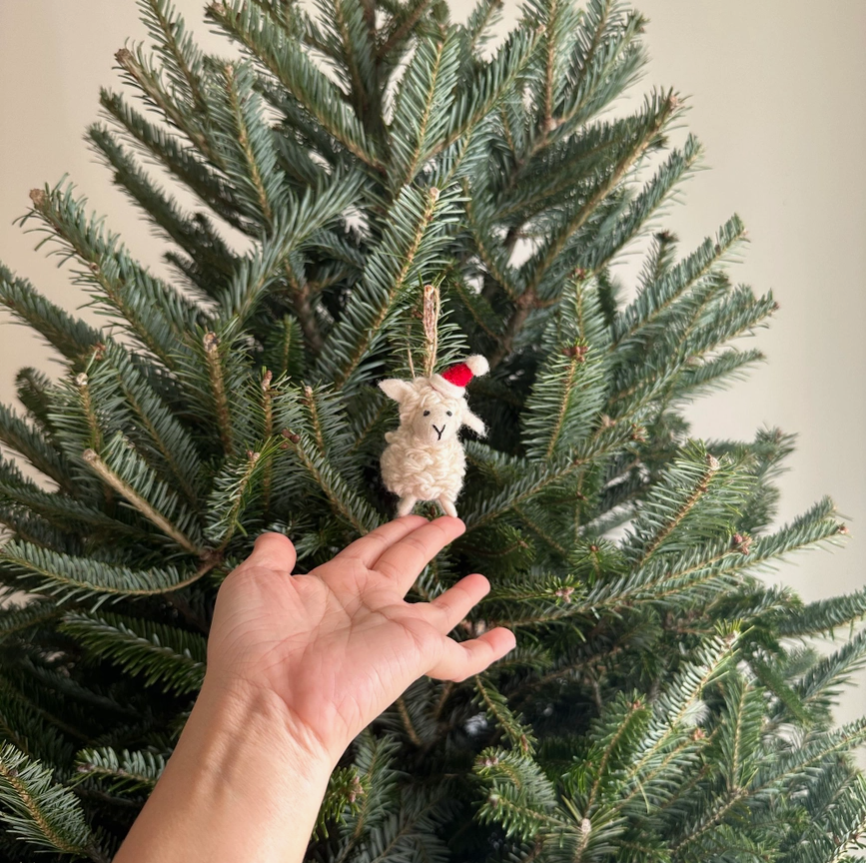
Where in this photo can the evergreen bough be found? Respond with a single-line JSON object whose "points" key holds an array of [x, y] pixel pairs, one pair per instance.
{"points": [[663, 703]]}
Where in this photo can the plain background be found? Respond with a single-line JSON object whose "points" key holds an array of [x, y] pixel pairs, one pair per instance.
{"points": [[777, 95]]}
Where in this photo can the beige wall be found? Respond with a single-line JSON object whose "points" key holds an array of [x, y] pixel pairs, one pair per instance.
{"points": [[777, 92]]}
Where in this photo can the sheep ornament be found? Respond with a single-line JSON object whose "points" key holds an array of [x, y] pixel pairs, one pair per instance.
{"points": [[424, 459]]}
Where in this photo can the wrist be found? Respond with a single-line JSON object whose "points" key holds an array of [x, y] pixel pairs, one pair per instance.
{"points": [[242, 784], [236, 708]]}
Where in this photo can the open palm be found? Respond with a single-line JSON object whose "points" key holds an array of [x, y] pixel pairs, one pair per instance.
{"points": [[340, 644]]}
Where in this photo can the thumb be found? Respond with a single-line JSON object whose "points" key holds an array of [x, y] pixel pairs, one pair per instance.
{"points": [[273, 550]]}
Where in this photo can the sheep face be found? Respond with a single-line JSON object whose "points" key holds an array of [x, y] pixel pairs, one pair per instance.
{"points": [[430, 416], [434, 418]]}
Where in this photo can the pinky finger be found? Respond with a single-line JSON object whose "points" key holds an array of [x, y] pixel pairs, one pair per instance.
{"points": [[464, 658]]}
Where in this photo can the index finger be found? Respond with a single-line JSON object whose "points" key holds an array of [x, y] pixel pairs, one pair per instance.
{"points": [[369, 547], [403, 561]]}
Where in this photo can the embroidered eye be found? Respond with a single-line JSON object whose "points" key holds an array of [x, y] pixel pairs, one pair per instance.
{"points": [[448, 412], [426, 413]]}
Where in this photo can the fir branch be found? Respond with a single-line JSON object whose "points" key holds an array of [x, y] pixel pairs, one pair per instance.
{"points": [[416, 229], [768, 675], [480, 216], [43, 813], [401, 25], [139, 73], [722, 564], [295, 230], [569, 389], [371, 421], [33, 389], [480, 21], [710, 818], [65, 576], [407, 722], [208, 185], [177, 48], [268, 433], [740, 735], [165, 433], [818, 687], [615, 735], [121, 486], [71, 337], [15, 689], [495, 704], [657, 297], [94, 436], [320, 449], [154, 314], [701, 487], [122, 772], [491, 84], [822, 616], [539, 265], [60, 509], [15, 619], [212, 354], [668, 726], [355, 22], [647, 202], [421, 106], [521, 798], [534, 525], [537, 477], [210, 258], [377, 777], [234, 492], [171, 657], [18, 436], [258, 165], [284, 59], [478, 307], [605, 60]]}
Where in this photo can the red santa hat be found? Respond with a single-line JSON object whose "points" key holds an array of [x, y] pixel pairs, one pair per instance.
{"points": [[452, 382]]}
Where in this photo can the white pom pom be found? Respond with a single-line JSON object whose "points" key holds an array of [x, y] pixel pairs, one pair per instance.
{"points": [[478, 365]]}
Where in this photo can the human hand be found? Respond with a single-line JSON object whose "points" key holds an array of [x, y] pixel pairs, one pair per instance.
{"points": [[338, 645]]}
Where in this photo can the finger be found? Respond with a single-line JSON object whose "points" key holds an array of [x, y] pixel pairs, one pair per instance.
{"points": [[273, 551], [402, 563], [371, 545], [464, 658], [450, 607]]}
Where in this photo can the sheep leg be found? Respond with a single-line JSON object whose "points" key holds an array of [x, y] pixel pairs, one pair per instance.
{"points": [[448, 505], [404, 507]]}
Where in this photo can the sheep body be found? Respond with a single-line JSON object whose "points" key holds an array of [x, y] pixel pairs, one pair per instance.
{"points": [[424, 471], [424, 458]]}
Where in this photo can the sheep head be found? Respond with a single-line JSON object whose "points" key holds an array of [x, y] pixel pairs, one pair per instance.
{"points": [[430, 416]]}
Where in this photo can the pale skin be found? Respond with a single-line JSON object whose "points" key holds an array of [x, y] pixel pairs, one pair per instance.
{"points": [[298, 665]]}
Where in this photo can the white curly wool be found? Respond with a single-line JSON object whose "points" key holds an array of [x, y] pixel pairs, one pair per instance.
{"points": [[422, 471], [424, 458]]}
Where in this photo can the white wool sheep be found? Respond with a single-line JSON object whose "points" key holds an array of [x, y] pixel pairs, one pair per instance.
{"points": [[424, 458]]}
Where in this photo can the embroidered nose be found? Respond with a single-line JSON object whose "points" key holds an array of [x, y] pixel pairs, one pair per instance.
{"points": [[438, 431]]}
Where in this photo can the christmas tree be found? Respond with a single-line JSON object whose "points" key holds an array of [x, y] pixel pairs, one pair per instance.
{"points": [[383, 163]]}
